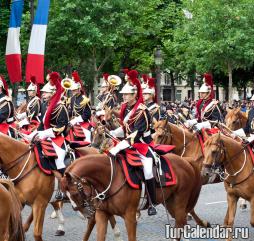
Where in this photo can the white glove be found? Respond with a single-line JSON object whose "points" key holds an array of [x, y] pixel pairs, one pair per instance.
{"points": [[205, 125], [113, 151], [117, 132], [191, 122], [46, 134], [250, 139], [240, 132], [23, 122], [100, 112], [119, 147], [21, 116], [76, 120]]}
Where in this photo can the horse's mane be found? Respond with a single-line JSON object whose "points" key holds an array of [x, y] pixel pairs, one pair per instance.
{"points": [[15, 143]]}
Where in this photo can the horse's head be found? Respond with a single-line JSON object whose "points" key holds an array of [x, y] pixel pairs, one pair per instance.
{"points": [[80, 192], [214, 150], [162, 133], [98, 136], [235, 119], [107, 144]]}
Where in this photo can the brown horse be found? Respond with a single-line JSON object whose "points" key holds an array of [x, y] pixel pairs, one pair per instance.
{"points": [[187, 144], [238, 164], [235, 119], [10, 213], [34, 188], [92, 174]]}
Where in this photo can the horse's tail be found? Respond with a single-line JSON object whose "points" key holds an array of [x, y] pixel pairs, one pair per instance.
{"points": [[195, 193], [16, 232]]}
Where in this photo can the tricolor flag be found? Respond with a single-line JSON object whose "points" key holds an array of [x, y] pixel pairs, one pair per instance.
{"points": [[35, 57], [13, 53]]}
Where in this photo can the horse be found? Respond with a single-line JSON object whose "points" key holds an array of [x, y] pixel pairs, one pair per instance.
{"points": [[187, 144], [34, 188], [235, 119], [237, 160], [96, 182], [10, 213]]}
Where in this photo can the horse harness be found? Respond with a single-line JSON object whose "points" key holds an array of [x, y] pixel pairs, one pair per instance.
{"points": [[88, 199], [222, 152]]}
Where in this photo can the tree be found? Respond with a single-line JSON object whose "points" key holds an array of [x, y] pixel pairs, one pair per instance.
{"points": [[220, 35]]}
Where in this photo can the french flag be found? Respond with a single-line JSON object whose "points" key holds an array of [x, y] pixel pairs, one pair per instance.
{"points": [[35, 57], [13, 53]]}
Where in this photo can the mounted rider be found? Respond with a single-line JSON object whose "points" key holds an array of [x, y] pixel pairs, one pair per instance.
{"points": [[79, 109], [249, 128], [150, 98], [106, 97], [6, 109], [135, 130], [33, 109], [207, 108]]}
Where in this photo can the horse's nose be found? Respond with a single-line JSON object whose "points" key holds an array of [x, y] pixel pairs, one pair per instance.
{"points": [[205, 172]]}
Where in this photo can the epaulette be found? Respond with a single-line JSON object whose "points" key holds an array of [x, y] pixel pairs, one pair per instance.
{"points": [[7, 98], [85, 101], [142, 107]]}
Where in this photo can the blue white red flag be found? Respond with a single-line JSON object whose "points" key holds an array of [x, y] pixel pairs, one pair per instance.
{"points": [[35, 57], [13, 52]]}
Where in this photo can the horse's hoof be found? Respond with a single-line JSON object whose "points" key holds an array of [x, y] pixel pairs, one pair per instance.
{"points": [[189, 217], [243, 206], [53, 215], [59, 233], [208, 225]]}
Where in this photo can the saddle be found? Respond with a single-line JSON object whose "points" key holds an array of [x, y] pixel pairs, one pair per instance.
{"points": [[132, 167]]}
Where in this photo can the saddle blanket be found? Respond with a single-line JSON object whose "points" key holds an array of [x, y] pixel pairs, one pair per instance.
{"points": [[132, 168]]}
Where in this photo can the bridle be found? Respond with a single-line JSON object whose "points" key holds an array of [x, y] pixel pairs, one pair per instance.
{"points": [[88, 201], [221, 154]]}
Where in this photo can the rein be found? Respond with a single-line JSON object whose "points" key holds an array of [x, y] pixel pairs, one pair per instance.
{"points": [[223, 151]]}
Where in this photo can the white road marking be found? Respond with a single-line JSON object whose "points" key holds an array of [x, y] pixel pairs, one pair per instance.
{"points": [[216, 202]]}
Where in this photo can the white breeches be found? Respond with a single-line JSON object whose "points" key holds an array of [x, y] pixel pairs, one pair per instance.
{"points": [[60, 156], [148, 166]]}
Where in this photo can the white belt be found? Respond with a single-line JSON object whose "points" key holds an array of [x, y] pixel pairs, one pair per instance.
{"points": [[10, 119], [146, 134]]}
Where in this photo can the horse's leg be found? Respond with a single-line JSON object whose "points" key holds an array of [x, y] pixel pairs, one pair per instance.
{"points": [[243, 204], [199, 221], [131, 224], [252, 212], [226, 219], [101, 219], [116, 230], [39, 208], [28, 222], [89, 228], [58, 209], [232, 206]]}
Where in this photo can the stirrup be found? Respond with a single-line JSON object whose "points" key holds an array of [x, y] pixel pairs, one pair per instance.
{"points": [[151, 211], [59, 195]]}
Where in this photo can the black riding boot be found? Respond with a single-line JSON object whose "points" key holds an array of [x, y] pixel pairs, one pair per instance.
{"points": [[151, 188], [59, 196]]}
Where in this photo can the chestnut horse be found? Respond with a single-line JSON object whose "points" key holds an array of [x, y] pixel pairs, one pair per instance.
{"points": [[90, 178], [235, 119], [238, 164], [34, 188], [10, 213]]}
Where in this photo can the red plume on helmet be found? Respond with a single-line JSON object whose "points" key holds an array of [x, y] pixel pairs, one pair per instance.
{"points": [[5, 86], [33, 80], [77, 79], [105, 76], [152, 85], [126, 70], [208, 79], [145, 78], [133, 80], [55, 80]]}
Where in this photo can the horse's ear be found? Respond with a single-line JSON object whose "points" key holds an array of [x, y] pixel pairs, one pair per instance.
{"points": [[65, 181], [165, 122]]}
